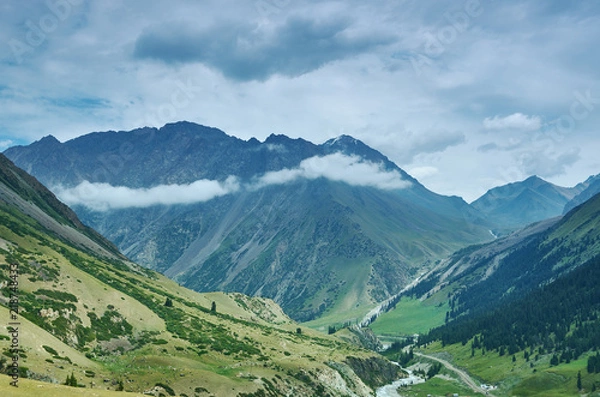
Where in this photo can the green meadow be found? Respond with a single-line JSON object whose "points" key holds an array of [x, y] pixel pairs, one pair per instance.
{"points": [[411, 316]]}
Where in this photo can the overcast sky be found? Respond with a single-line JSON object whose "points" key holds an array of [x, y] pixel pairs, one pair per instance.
{"points": [[464, 95]]}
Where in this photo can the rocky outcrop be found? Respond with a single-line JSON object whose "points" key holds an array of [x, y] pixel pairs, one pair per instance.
{"points": [[374, 371]]}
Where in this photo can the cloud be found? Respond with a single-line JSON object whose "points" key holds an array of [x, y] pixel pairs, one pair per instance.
{"points": [[547, 165], [509, 145], [487, 147], [253, 52], [336, 167], [102, 196], [404, 145], [516, 121], [424, 172], [6, 143], [499, 64], [434, 142]]}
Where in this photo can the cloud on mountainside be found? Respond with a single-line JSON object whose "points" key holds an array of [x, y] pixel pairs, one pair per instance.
{"points": [[102, 196], [336, 167]]}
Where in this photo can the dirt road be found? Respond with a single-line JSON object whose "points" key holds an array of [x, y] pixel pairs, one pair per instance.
{"points": [[462, 374]]}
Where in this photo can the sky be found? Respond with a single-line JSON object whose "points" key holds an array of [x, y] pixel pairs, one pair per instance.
{"points": [[464, 95]]}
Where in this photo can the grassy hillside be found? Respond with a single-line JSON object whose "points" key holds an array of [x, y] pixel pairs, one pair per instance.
{"points": [[108, 324], [21, 190], [28, 387]]}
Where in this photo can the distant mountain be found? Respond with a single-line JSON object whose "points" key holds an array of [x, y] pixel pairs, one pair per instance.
{"points": [[592, 188], [86, 313], [322, 229], [518, 204]]}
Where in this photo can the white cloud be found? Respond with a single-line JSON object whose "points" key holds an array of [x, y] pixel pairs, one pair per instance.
{"points": [[547, 164], [337, 167], [102, 196], [6, 143], [425, 172], [516, 121]]}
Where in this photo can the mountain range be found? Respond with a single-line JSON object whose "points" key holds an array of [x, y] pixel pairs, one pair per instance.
{"points": [[592, 188], [321, 229], [326, 230]]}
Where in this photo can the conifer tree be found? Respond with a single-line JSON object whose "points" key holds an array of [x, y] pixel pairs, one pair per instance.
{"points": [[71, 380]]}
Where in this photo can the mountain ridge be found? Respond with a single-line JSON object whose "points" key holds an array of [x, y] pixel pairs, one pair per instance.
{"points": [[205, 246]]}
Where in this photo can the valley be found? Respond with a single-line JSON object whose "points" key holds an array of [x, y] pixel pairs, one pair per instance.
{"points": [[289, 278], [277, 198]]}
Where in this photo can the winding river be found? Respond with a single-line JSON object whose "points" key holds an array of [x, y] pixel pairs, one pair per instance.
{"points": [[391, 389]]}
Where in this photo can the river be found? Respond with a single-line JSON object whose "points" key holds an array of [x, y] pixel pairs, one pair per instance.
{"points": [[391, 389]]}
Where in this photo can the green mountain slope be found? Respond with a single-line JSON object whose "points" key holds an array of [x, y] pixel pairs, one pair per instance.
{"points": [[522, 312], [113, 324], [318, 247], [538, 344], [24, 193], [481, 277]]}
